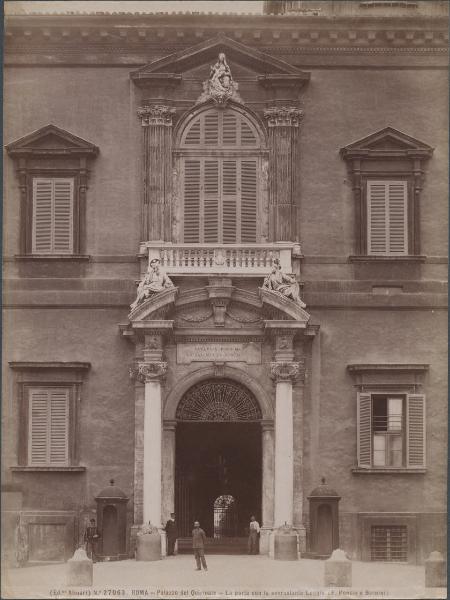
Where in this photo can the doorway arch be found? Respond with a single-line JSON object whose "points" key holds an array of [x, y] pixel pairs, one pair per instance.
{"points": [[218, 457]]}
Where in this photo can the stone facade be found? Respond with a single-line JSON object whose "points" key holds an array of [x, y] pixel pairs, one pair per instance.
{"points": [[333, 103]]}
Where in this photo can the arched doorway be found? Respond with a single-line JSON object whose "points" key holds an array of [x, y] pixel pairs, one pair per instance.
{"points": [[218, 462]]}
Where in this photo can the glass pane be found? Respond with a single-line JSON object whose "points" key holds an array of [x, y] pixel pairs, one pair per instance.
{"points": [[395, 450], [395, 414], [379, 450]]}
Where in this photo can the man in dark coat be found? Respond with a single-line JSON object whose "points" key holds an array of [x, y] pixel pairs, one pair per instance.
{"points": [[91, 537], [198, 544], [172, 534]]}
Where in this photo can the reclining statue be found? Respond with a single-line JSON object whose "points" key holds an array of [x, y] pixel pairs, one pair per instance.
{"points": [[283, 284], [155, 280]]}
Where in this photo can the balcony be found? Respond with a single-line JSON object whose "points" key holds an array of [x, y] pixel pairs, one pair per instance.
{"points": [[239, 260]]}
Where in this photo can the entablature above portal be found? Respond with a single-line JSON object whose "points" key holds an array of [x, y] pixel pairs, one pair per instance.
{"points": [[216, 310]]}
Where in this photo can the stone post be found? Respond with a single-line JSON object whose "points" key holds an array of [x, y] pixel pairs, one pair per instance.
{"points": [[268, 469], [435, 571], [283, 125], [79, 569], [156, 122], [338, 570]]}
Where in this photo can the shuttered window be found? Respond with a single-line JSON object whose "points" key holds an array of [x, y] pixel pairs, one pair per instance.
{"points": [[391, 431], [387, 218], [220, 186], [220, 128], [52, 229], [220, 200], [48, 433]]}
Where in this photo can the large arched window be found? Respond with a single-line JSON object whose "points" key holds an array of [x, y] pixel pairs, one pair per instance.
{"points": [[221, 163]]}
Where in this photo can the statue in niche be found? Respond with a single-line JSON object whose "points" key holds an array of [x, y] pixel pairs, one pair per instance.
{"points": [[283, 284], [220, 85], [155, 280]]}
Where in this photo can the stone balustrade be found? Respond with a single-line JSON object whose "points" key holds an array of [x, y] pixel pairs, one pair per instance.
{"points": [[245, 260]]}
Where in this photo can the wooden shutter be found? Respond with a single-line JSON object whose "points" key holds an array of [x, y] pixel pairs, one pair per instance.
{"points": [[229, 201], [387, 222], [52, 216], [211, 201], [63, 216], [48, 426], [364, 430], [192, 201], [248, 201], [415, 431]]}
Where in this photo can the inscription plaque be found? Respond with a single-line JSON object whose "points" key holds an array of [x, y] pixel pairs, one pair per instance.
{"points": [[249, 352]]}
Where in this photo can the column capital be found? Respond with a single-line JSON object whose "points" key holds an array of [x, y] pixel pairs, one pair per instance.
{"points": [[283, 116], [156, 114], [287, 371], [267, 425], [145, 372], [169, 424]]}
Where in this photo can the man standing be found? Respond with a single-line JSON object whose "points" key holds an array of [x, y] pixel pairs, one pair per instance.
{"points": [[91, 536], [198, 544], [172, 534], [253, 537]]}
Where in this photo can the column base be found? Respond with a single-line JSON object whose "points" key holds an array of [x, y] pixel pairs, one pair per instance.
{"points": [[133, 537], [269, 542]]}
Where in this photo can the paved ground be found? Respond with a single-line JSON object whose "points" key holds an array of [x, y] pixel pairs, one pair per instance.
{"points": [[228, 577]]}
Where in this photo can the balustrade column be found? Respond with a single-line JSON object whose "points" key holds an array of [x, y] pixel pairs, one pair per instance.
{"points": [[284, 373], [156, 123], [283, 125]]}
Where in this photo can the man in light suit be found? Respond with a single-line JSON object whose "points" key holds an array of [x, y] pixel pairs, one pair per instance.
{"points": [[198, 545]]}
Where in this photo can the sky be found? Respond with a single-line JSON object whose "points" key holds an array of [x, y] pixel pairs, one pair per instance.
{"points": [[237, 6]]}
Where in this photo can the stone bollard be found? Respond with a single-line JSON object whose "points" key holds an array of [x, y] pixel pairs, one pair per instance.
{"points": [[79, 569], [338, 570], [435, 571]]}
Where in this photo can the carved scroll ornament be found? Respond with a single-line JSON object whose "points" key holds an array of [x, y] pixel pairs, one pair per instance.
{"points": [[287, 371], [148, 371]]}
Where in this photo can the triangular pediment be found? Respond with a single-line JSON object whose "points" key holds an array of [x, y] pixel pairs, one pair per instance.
{"points": [[239, 56], [387, 141], [51, 140]]}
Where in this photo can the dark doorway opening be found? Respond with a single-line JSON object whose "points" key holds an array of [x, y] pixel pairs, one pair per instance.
{"points": [[215, 461]]}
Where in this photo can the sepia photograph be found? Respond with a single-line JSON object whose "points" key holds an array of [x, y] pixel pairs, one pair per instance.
{"points": [[224, 335]]}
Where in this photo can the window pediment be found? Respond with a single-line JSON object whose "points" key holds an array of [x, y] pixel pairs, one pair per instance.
{"points": [[51, 140], [387, 142], [248, 59]]}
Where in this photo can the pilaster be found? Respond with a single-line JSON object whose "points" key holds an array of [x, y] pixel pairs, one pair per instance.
{"points": [[283, 123], [156, 121]]}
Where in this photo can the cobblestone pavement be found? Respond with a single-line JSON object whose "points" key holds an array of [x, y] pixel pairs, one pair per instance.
{"points": [[227, 577]]}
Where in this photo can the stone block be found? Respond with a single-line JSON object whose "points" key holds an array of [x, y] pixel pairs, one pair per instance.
{"points": [[80, 569], [435, 571], [338, 570]]}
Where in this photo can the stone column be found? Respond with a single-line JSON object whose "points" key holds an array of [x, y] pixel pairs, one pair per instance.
{"points": [[283, 125], [284, 373], [168, 469], [268, 470], [156, 122], [151, 373]]}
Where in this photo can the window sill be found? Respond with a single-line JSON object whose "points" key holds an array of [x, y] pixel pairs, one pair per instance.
{"points": [[77, 469], [388, 471], [380, 258], [53, 257]]}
